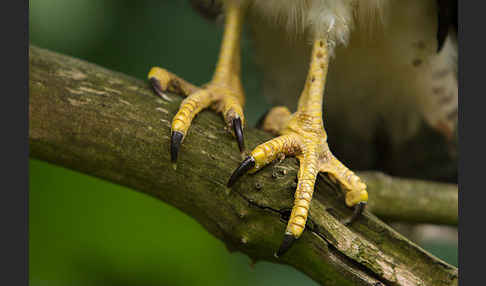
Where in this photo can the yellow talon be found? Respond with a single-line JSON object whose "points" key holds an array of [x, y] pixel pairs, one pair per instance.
{"points": [[224, 93], [273, 149], [190, 106], [355, 197], [168, 81], [302, 135], [161, 74]]}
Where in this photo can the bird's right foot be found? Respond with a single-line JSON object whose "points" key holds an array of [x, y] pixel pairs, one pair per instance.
{"points": [[302, 135]]}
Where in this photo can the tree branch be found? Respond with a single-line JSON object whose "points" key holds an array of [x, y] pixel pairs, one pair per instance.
{"points": [[396, 199], [112, 126]]}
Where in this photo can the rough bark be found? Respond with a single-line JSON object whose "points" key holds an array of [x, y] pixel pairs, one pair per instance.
{"points": [[416, 201], [112, 126]]}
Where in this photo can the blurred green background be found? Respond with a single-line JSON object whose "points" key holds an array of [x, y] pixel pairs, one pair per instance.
{"points": [[85, 231]]}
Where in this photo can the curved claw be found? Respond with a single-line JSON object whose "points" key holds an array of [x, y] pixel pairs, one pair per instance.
{"points": [[357, 211], [246, 165], [287, 242], [156, 86], [175, 144], [239, 133]]}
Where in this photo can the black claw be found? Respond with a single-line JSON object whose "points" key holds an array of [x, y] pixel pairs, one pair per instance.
{"points": [[239, 133], [175, 143], [286, 244], [246, 165], [156, 86], [358, 210]]}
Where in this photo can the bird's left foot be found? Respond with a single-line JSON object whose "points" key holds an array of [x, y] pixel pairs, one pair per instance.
{"points": [[224, 93], [303, 137]]}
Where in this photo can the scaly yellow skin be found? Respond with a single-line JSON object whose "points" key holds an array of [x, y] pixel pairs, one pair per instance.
{"points": [[224, 93], [303, 136], [302, 133]]}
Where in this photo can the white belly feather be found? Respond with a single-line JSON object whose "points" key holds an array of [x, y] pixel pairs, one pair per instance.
{"points": [[385, 64]]}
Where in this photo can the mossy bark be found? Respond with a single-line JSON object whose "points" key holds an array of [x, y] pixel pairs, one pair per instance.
{"points": [[112, 126]]}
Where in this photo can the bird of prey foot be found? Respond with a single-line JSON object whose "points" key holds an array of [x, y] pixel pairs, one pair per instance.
{"points": [[224, 93], [377, 61], [302, 135]]}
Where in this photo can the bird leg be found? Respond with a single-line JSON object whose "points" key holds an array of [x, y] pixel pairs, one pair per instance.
{"points": [[302, 135], [224, 93]]}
